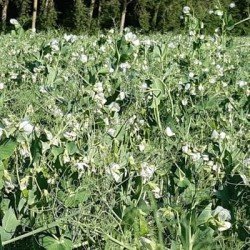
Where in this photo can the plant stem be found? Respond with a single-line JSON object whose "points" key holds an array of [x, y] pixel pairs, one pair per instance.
{"points": [[39, 230]]}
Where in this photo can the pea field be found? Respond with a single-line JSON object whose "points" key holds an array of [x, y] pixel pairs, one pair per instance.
{"points": [[124, 141]]}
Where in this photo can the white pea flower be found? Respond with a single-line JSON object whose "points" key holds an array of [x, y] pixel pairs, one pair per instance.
{"points": [[71, 136], [222, 213], [1, 86], [157, 192], [83, 58], [66, 158], [142, 146], [205, 157], [147, 42], [242, 83], [232, 5], [24, 183], [187, 86], [216, 167], [171, 45], [144, 86], [186, 10], [202, 37], [169, 132], [98, 87], [100, 98], [210, 12], [225, 226], [114, 171], [247, 162], [222, 135], [217, 30], [212, 80], [125, 66], [43, 90], [102, 48], [215, 135], [70, 38], [184, 102], [219, 13], [245, 179], [191, 74], [121, 96], [81, 166], [155, 189], [9, 187], [111, 132], [114, 107], [54, 44], [222, 216], [136, 42], [147, 171], [14, 21], [185, 149], [195, 156], [192, 33], [201, 88], [111, 31], [26, 127], [24, 150], [129, 36]]}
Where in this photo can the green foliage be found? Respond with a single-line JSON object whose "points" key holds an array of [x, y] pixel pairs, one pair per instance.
{"points": [[9, 224], [147, 15], [81, 18], [47, 15], [110, 13], [125, 141]]}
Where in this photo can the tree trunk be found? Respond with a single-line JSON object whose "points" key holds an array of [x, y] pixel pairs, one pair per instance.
{"points": [[99, 9], [156, 12], [34, 16], [4, 12], [91, 11], [123, 16]]}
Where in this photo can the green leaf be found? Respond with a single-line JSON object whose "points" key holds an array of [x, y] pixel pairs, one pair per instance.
{"points": [[50, 243], [56, 151], [158, 90], [72, 148], [75, 199], [7, 148], [51, 76], [9, 224], [205, 215]]}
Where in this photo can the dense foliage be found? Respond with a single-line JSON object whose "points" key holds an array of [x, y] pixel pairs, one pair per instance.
{"points": [[147, 15], [124, 141]]}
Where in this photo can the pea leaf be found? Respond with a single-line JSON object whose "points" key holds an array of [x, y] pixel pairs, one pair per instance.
{"points": [[7, 148], [9, 224], [50, 243]]}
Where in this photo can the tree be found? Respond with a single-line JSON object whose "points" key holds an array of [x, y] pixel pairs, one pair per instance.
{"points": [[5, 5], [34, 15], [81, 16], [48, 14], [109, 13], [125, 4]]}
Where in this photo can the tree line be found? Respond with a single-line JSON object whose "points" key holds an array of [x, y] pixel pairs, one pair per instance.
{"points": [[146, 15]]}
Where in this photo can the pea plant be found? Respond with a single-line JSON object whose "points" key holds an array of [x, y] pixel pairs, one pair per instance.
{"points": [[124, 141]]}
